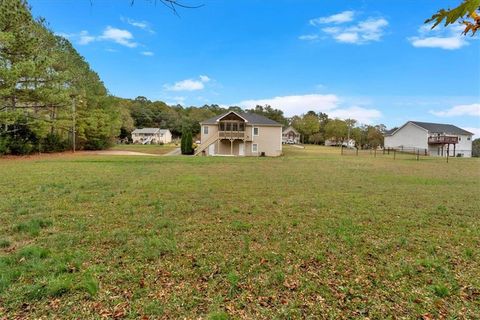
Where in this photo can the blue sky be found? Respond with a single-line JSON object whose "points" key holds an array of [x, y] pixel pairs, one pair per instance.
{"points": [[370, 60]]}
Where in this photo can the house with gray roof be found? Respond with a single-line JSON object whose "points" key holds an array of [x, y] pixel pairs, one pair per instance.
{"points": [[436, 139], [151, 136], [240, 134]]}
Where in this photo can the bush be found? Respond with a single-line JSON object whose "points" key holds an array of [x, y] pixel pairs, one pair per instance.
{"points": [[187, 143], [99, 143], [54, 143]]}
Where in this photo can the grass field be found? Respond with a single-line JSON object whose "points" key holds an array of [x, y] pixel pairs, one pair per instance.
{"points": [[308, 235], [148, 148]]}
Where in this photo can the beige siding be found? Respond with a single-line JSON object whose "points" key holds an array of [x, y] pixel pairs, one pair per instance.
{"points": [[269, 140]]}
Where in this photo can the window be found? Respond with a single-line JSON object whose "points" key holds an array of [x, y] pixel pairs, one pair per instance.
{"points": [[205, 130], [468, 139], [255, 131], [254, 148], [459, 138]]}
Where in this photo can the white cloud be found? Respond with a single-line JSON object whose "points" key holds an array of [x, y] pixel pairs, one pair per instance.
{"points": [[360, 114], [347, 37], [447, 38], [85, 38], [460, 110], [308, 37], [296, 104], [447, 43], [81, 38], [120, 36], [147, 53], [342, 17], [327, 103], [365, 31], [188, 84], [144, 25], [204, 78]]}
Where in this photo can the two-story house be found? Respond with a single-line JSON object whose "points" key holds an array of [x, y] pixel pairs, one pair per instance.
{"points": [[151, 136], [436, 139], [240, 134]]}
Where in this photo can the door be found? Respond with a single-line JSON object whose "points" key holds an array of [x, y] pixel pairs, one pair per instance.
{"points": [[241, 149], [211, 149]]}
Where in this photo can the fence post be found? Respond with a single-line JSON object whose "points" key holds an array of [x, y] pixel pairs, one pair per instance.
{"points": [[418, 155], [375, 153], [341, 149], [394, 153], [356, 151]]}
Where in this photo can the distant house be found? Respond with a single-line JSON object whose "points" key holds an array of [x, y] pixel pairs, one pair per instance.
{"points": [[436, 139], [240, 134], [348, 144], [151, 136], [290, 135]]}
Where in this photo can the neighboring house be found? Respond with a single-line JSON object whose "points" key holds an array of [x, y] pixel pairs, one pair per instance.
{"points": [[348, 144], [436, 139], [290, 135], [240, 134], [151, 136]]}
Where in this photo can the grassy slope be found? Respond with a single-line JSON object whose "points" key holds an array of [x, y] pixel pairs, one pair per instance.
{"points": [[311, 233]]}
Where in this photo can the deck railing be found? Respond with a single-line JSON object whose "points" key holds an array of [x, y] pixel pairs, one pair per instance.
{"points": [[442, 139], [231, 134]]}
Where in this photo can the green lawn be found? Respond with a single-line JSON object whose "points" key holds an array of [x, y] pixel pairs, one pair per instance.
{"points": [[311, 234], [148, 148]]}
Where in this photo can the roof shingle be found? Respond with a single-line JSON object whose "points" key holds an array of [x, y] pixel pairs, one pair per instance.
{"points": [[252, 118]]}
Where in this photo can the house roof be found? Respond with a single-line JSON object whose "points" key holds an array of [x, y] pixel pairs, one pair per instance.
{"points": [[441, 128], [150, 130], [435, 128], [290, 129], [250, 118]]}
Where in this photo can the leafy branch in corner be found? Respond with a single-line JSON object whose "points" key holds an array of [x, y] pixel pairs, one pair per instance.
{"points": [[466, 11]]}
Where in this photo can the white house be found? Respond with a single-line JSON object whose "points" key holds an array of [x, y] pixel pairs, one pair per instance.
{"points": [[290, 135], [151, 136], [435, 139]]}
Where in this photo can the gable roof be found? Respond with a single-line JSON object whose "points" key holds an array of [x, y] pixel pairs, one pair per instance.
{"points": [[150, 130], [441, 128], [250, 118], [290, 129], [434, 128]]}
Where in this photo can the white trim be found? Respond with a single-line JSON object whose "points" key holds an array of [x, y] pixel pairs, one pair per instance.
{"points": [[205, 127], [255, 144], [218, 120]]}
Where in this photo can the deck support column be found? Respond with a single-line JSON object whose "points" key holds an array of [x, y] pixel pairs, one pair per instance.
{"points": [[231, 147]]}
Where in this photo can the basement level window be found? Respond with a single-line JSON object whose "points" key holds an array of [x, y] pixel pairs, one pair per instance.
{"points": [[254, 147]]}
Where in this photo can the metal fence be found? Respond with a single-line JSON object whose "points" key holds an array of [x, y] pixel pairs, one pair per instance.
{"points": [[393, 153]]}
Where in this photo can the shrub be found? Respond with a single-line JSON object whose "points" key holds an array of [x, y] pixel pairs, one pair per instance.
{"points": [[187, 142]]}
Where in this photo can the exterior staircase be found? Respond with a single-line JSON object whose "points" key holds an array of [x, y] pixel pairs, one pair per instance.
{"points": [[206, 144], [148, 140]]}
